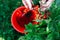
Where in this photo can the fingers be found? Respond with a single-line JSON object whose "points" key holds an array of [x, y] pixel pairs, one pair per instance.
{"points": [[49, 3], [27, 4], [43, 1], [45, 5]]}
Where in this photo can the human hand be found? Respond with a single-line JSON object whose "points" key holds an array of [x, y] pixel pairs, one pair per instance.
{"points": [[44, 5], [27, 4]]}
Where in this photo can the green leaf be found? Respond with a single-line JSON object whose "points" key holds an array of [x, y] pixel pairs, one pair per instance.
{"points": [[21, 38], [57, 2], [47, 30], [43, 22], [50, 37]]}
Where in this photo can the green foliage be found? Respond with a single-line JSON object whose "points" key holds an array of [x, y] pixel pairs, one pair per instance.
{"points": [[6, 9], [34, 32], [48, 29], [42, 32]]}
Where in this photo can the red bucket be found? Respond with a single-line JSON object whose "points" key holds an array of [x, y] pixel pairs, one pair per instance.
{"points": [[22, 16]]}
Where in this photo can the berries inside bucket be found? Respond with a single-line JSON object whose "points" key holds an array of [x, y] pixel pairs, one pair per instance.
{"points": [[22, 16]]}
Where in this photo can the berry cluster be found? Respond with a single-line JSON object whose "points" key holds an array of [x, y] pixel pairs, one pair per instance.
{"points": [[22, 16]]}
